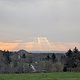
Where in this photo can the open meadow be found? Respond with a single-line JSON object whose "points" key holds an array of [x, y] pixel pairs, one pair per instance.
{"points": [[42, 76]]}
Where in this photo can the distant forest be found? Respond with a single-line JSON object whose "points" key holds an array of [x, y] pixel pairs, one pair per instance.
{"points": [[22, 61]]}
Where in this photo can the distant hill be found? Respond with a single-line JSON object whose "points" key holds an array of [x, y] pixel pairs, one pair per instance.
{"points": [[22, 52], [47, 51]]}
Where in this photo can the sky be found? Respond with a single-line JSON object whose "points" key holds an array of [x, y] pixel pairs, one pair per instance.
{"points": [[21, 21]]}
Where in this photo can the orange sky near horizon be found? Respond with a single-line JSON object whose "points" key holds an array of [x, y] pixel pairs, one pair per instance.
{"points": [[8, 46], [38, 46]]}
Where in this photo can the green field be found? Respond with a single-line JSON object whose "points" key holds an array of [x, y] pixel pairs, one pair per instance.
{"points": [[42, 76]]}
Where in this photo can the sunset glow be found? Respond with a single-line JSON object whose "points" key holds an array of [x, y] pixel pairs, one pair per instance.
{"points": [[41, 44], [8, 46]]}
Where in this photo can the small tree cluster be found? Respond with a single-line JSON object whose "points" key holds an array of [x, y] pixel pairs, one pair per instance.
{"points": [[52, 57], [73, 58], [6, 55]]}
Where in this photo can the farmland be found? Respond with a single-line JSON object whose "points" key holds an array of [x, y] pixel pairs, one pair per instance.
{"points": [[42, 76]]}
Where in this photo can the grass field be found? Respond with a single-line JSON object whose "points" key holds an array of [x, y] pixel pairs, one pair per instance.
{"points": [[42, 76]]}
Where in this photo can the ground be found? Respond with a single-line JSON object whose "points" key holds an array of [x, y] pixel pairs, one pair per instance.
{"points": [[42, 76]]}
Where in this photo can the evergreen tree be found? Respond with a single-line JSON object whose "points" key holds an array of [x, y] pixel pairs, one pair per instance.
{"points": [[69, 53], [23, 56], [6, 54], [48, 57], [75, 50], [53, 57]]}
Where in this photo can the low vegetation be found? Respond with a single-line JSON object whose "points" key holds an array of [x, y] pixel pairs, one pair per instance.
{"points": [[42, 76]]}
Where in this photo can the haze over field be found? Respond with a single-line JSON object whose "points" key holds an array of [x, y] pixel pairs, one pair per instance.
{"points": [[39, 24]]}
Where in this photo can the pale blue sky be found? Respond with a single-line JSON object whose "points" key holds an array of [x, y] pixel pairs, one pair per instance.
{"points": [[58, 20]]}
